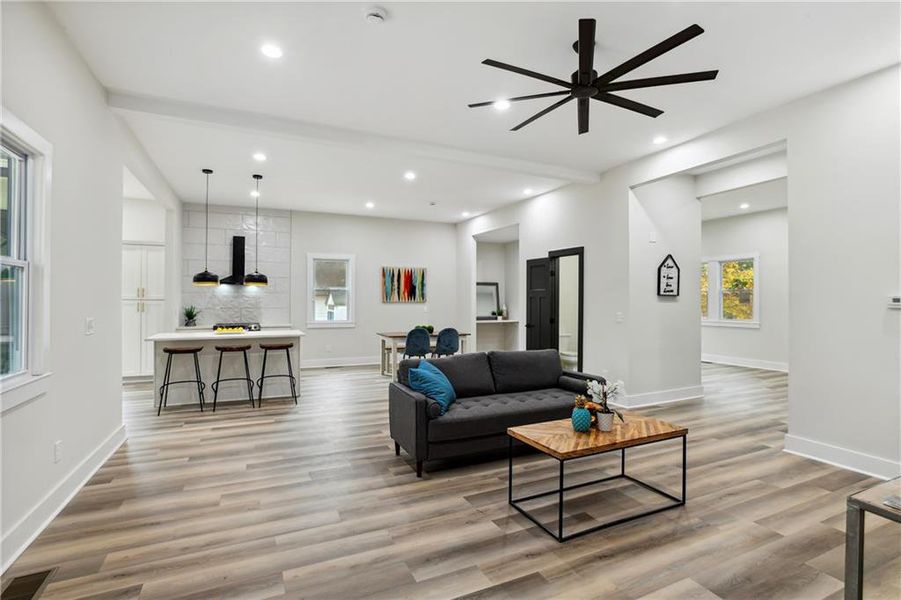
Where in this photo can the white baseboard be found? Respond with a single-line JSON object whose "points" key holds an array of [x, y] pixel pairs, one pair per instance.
{"points": [[751, 363], [20, 535], [852, 460], [343, 361], [661, 397]]}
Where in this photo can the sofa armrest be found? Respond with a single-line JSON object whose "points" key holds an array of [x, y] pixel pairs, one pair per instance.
{"points": [[573, 381], [408, 418]]}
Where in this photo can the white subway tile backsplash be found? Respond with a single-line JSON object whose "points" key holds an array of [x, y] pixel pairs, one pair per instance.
{"points": [[269, 305]]}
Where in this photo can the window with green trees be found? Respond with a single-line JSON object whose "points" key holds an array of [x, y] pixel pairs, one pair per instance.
{"points": [[728, 289]]}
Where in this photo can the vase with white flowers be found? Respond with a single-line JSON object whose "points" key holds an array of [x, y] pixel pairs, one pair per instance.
{"points": [[603, 393]]}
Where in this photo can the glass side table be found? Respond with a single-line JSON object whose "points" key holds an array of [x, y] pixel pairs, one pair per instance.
{"points": [[871, 500]]}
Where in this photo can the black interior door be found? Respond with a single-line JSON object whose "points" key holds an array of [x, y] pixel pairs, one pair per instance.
{"points": [[539, 311]]}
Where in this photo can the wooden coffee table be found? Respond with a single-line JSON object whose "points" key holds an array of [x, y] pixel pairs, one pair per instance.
{"points": [[558, 440]]}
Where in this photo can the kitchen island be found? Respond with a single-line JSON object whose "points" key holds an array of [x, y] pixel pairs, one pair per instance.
{"points": [[232, 364]]}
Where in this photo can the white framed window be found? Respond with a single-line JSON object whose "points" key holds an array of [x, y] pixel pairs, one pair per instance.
{"points": [[25, 171], [14, 265], [330, 290], [730, 291]]}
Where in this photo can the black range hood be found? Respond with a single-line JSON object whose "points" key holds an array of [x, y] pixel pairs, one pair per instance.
{"points": [[237, 276]]}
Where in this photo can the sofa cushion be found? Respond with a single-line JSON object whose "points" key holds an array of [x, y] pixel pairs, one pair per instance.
{"points": [[470, 373], [432, 383], [493, 414], [519, 371]]}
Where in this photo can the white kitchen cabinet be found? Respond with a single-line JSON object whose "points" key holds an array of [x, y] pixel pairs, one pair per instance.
{"points": [[132, 270], [131, 336], [143, 305], [152, 322], [143, 271], [154, 271]]}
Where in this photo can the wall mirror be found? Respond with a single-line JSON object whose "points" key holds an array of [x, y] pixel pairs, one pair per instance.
{"points": [[487, 300]]}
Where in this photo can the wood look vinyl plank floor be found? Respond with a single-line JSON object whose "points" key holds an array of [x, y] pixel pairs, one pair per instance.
{"points": [[310, 502]]}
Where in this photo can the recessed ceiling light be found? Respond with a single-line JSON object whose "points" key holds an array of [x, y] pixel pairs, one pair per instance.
{"points": [[501, 104], [465, 213], [660, 139], [259, 156], [409, 175], [370, 205], [254, 194], [527, 191], [744, 206], [271, 51]]}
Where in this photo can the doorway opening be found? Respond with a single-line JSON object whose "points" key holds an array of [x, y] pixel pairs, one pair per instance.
{"points": [[555, 305], [497, 307]]}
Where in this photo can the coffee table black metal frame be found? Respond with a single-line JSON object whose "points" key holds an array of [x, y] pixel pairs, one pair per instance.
{"points": [[561, 488], [855, 511]]}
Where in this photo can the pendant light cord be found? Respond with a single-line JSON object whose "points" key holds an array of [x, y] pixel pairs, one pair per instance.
{"points": [[256, 237], [206, 235]]}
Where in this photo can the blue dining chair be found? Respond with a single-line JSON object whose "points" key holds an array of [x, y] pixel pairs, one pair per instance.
{"points": [[448, 342], [418, 343]]}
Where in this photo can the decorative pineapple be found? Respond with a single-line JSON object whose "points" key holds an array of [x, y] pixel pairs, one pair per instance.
{"points": [[581, 417]]}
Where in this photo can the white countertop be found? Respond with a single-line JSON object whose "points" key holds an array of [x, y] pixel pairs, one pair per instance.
{"points": [[196, 327], [209, 335], [495, 321]]}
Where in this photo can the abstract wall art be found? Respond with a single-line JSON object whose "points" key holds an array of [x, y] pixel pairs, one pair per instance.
{"points": [[403, 284]]}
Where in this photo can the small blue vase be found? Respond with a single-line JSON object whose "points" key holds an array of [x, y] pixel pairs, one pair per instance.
{"points": [[581, 419]]}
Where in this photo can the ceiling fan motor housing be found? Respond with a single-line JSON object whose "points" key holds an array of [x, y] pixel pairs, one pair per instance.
{"points": [[583, 91]]}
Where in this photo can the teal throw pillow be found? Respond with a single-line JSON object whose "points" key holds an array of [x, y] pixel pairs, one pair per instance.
{"points": [[428, 380]]}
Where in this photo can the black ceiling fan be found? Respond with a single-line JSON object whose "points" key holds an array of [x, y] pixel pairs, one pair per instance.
{"points": [[585, 84]]}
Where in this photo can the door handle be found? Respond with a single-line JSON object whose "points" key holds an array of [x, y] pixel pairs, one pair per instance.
{"points": [[529, 326]]}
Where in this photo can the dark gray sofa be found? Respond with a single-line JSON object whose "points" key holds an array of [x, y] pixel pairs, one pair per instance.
{"points": [[495, 390]]}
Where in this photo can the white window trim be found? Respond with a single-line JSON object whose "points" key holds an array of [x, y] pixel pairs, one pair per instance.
{"points": [[351, 287], [715, 292], [32, 383]]}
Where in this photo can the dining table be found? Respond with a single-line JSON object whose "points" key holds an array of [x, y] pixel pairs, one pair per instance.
{"points": [[393, 341]]}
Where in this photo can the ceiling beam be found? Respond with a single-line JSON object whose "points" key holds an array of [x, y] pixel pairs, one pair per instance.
{"points": [[293, 128]]}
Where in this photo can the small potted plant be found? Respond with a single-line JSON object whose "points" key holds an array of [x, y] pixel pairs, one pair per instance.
{"points": [[191, 313], [602, 393]]}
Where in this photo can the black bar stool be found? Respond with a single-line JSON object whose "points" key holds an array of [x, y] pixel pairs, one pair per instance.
{"points": [[164, 389], [275, 347], [215, 385]]}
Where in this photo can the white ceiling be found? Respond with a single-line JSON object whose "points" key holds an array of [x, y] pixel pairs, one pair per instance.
{"points": [[759, 197], [409, 79]]}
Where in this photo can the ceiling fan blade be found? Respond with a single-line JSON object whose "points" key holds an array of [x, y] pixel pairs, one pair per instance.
{"points": [[518, 98], [527, 73], [629, 104], [541, 113], [633, 84], [650, 54], [583, 115], [586, 50]]}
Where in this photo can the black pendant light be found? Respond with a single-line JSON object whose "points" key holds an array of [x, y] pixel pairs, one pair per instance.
{"points": [[256, 278], [205, 278]]}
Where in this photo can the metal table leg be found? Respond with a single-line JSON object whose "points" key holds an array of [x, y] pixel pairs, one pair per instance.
{"points": [[854, 537]]}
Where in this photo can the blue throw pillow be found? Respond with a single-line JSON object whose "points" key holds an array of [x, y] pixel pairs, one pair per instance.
{"points": [[428, 380]]}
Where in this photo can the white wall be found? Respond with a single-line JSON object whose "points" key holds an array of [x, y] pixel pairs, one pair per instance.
{"points": [[513, 283], [143, 221], [81, 405], [664, 332], [268, 305], [844, 189], [766, 234], [376, 243]]}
